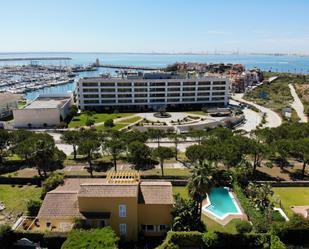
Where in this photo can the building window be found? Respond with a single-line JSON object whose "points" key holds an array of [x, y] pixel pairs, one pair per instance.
{"points": [[174, 89], [155, 228], [189, 83], [122, 229], [218, 88], [92, 101], [122, 210], [189, 88], [219, 83], [140, 90], [163, 228], [124, 84], [150, 228], [87, 90], [140, 84], [204, 83], [218, 93], [107, 84], [141, 95], [89, 96], [124, 90], [90, 84], [203, 94], [174, 83], [205, 88]]}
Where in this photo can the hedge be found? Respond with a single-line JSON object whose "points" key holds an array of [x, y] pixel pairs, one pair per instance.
{"points": [[258, 219], [179, 240], [20, 180]]}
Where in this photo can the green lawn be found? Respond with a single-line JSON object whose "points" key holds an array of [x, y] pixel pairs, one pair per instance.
{"points": [[116, 127], [182, 190], [15, 198], [167, 172], [277, 94], [80, 120], [214, 226], [197, 113], [292, 196], [130, 120]]}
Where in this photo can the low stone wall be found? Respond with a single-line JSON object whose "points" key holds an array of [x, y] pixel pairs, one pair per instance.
{"points": [[286, 183]]}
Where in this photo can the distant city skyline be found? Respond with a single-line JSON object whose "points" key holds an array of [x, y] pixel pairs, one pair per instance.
{"points": [[161, 26]]}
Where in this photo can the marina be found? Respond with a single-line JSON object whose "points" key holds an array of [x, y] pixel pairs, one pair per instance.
{"points": [[21, 79], [33, 73]]}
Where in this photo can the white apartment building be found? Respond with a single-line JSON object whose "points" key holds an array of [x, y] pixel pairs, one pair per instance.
{"points": [[46, 110], [151, 92]]}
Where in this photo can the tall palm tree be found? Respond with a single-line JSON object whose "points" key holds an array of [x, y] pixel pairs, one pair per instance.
{"points": [[176, 139], [200, 183]]}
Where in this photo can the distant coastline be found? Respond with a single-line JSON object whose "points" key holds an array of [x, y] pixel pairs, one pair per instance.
{"points": [[163, 53]]}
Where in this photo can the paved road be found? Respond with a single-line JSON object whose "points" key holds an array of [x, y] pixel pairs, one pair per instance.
{"points": [[272, 118], [253, 119], [298, 105]]}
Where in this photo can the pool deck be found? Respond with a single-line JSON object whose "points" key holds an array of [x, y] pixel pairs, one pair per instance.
{"points": [[229, 217]]}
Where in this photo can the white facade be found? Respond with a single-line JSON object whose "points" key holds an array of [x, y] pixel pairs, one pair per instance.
{"points": [[151, 93], [44, 111]]}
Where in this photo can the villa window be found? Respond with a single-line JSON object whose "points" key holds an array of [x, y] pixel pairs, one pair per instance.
{"points": [[122, 229], [122, 210], [163, 228], [155, 228], [150, 228]]}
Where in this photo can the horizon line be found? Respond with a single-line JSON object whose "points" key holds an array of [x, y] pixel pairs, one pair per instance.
{"points": [[163, 53]]}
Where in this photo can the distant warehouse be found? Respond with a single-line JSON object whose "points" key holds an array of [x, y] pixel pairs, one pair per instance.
{"points": [[151, 91], [47, 110]]}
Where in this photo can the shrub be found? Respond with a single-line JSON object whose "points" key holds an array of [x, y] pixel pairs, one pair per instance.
{"points": [[276, 216], [210, 239], [243, 226], [33, 207], [6, 236], [276, 243], [89, 122], [204, 109], [109, 123], [104, 238], [52, 182]]}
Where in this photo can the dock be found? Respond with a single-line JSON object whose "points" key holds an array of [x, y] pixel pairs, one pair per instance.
{"points": [[131, 67], [36, 59]]}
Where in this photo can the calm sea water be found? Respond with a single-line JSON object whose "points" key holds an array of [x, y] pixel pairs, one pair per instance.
{"points": [[275, 63]]}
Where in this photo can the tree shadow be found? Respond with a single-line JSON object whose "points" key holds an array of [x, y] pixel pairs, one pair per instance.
{"points": [[262, 176], [102, 166], [297, 175]]}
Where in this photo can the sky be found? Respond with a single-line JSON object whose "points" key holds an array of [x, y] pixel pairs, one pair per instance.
{"points": [[168, 26]]}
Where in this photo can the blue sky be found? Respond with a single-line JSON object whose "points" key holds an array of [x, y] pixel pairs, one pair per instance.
{"points": [[155, 25]]}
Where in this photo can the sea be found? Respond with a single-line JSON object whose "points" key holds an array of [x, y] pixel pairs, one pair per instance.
{"points": [[276, 63]]}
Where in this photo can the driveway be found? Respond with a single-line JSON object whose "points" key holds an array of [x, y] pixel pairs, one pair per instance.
{"points": [[298, 105], [272, 118]]}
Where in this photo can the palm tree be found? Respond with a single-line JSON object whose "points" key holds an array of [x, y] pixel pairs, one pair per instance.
{"points": [[114, 146], [176, 139], [200, 183], [162, 154]]}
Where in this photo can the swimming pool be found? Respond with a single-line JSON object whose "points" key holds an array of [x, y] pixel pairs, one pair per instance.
{"points": [[221, 203]]}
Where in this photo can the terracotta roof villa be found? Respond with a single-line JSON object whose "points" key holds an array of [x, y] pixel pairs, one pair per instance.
{"points": [[124, 202]]}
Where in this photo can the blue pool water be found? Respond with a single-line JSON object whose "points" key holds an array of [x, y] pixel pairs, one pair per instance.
{"points": [[221, 203]]}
